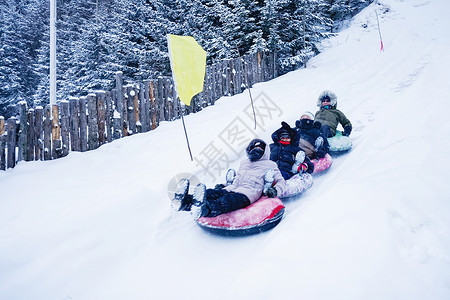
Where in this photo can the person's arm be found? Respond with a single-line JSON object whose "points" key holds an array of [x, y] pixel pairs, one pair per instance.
{"points": [[346, 124], [280, 183]]}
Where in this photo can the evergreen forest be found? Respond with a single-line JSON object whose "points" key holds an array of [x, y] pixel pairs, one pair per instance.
{"points": [[97, 38]]}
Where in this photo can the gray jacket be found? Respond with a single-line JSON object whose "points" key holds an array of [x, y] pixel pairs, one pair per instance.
{"points": [[250, 177]]}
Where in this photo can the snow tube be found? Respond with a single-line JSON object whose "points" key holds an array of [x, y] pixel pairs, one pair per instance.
{"points": [[297, 184], [260, 216], [322, 163], [339, 143]]}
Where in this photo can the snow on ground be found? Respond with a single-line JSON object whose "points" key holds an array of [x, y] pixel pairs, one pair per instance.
{"points": [[98, 225]]}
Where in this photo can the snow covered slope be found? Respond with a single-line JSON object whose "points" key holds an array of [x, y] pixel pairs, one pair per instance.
{"points": [[98, 225]]}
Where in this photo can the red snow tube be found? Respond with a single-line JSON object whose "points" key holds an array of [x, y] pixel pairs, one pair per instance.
{"points": [[260, 216]]}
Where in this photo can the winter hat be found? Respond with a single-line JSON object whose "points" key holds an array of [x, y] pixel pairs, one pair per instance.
{"points": [[286, 130], [327, 94], [284, 133], [307, 114]]}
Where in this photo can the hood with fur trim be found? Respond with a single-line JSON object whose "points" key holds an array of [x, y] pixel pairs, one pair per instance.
{"points": [[329, 94]]}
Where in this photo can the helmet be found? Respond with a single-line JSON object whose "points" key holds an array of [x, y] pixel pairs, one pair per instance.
{"points": [[255, 149]]}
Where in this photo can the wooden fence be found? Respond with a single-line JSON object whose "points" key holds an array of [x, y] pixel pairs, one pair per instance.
{"points": [[85, 123]]}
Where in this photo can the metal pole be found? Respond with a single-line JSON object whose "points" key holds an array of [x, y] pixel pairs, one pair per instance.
{"points": [[52, 52]]}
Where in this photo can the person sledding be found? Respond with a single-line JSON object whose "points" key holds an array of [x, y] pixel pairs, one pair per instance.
{"points": [[286, 153], [330, 117], [246, 188], [309, 136]]}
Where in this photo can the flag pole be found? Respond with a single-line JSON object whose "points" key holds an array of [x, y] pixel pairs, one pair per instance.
{"points": [[248, 87], [253, 107], [379, 30], [52, 53], [185, 133]]}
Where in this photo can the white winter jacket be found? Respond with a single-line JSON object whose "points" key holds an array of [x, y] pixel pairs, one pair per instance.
{"points": [[250, 177]]}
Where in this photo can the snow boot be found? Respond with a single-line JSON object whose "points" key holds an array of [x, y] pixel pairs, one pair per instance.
{"points": [[179, 201], [318, 143], [231, 174], [299, 159], [268, 180], [198, 208]]}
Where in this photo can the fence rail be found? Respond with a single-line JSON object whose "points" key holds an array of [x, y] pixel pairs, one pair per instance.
{"points": [[87, 122]]}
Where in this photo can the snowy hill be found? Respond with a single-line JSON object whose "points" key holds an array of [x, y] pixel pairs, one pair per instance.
{"points": [[98, 225]]}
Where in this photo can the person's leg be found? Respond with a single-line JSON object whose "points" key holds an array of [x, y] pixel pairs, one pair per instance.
{"points": [[326, 131], [228, 202]]}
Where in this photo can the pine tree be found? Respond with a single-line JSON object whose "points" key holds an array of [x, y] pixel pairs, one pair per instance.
{"points": [[20, 27]]}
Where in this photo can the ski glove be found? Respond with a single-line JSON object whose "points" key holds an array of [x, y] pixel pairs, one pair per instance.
{"points": [[347, 130], [271, 192], [219, 186], [303, 168]]}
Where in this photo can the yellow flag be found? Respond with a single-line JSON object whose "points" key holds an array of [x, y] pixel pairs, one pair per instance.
{"points": [[188, 63]]}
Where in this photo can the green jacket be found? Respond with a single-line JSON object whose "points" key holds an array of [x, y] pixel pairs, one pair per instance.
{"points": [[332, 117]]}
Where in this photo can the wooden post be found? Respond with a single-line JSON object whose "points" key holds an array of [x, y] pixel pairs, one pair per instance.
{"points": [[147, 105], [219, 79], [160, 98], [2, 125], [83, 124], [124, 113], [213, 84], [39, 133], [153, 93], [101, 116], [130, 109], [265, 66], [207, 86], [269, 56], [2, 152], [169, 114], [250, 72], [136, 108], [92, 122], [47, 133], [142, 108], [11, 128], [30, 135], [237, 71], [56, 133], [2, 144], [259, 66], [224, 77], [233, 75], [65, 128], [120, 100], [116, 117], [23, 131], [109, 116], [74, 105]]}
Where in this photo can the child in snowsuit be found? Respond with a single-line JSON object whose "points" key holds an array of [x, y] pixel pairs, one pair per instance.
{"points": [[246, 188], [284, 152], [309, 136], [330, 116]]}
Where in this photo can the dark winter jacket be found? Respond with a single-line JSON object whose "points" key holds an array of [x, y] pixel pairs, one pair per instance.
{"points": [[307, 132], [250, 177], [284, 155]]}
